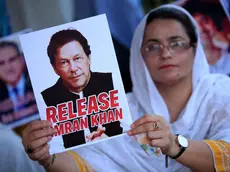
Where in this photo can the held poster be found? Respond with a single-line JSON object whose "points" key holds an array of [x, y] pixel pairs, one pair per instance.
{"points": [[17, 101], [77, 82]]}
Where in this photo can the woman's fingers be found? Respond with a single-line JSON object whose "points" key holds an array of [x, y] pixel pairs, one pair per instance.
{"points": [[42, 133], [145, 119], [148, 119], [45, 156], [35, 138], [165, 132], [150, 126], [40, 154], [36, 125], [157, 131], [155, 134], [161, 143], [39, 142]]}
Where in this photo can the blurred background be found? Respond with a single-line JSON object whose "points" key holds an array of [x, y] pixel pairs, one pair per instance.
{"points": [[22, 16]]}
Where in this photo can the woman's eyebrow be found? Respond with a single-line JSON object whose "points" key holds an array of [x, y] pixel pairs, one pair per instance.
{"points": [[151, 40], [174, 38]]}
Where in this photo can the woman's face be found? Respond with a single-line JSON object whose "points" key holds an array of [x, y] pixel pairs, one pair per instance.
{"points": [[167, 51]]}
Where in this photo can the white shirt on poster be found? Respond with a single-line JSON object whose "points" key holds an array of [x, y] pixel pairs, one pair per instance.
{"points": [[21, 91]]}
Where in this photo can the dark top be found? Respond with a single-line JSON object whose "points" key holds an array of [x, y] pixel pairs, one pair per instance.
{"points": [[58, 93], [7, 106]]}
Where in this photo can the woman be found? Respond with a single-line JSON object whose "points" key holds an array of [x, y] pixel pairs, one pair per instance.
{"points": [[170, 78]]}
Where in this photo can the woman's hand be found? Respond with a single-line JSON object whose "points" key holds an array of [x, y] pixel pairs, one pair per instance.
{"points": [[158, 133], [35, 138]]}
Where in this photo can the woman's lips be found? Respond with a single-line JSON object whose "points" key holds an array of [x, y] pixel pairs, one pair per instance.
{"points": [[167, 66]]}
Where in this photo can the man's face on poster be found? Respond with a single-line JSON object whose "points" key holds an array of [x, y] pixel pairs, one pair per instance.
{"points": [[11, 65], [73, 66]]}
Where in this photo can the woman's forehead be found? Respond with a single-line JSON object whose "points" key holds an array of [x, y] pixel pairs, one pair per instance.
{"points": [[165, 29]]}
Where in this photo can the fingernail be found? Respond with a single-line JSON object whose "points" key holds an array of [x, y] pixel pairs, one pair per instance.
{"points": [[50, 123], [129, 132], [132, 126]]}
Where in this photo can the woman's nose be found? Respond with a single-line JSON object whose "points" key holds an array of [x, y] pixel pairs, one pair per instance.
{"points": [[165, 52]]}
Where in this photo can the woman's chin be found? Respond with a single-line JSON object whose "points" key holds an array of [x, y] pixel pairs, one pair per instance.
{"points": [[169, 79]]}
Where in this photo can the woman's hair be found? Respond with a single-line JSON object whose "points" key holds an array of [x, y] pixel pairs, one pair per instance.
{"points": [[169, 13]]}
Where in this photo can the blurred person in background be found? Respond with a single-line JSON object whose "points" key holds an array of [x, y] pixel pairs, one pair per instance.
{"points": [[216, 44], [17, 100], [213, 24]]}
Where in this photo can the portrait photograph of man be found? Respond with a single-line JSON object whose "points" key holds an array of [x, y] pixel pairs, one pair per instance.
{"points": [[17, 101], [80, 72], [70, 55]]}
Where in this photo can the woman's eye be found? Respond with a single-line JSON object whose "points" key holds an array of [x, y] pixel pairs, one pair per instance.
{"points": [[153, 47], [177, 44]]}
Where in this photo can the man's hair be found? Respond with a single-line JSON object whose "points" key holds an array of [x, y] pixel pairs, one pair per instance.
{"points": [[63, 37], [5, 44], [168, 13]]}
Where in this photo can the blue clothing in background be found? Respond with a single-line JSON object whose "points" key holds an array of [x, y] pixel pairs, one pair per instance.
{"points": [[5, 27]]}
